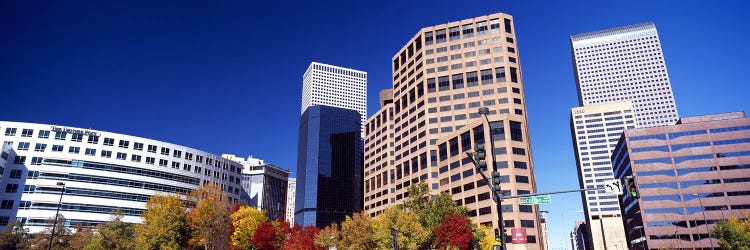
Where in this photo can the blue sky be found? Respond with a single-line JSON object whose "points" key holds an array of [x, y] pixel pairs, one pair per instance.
{"points": [[225, 76]]}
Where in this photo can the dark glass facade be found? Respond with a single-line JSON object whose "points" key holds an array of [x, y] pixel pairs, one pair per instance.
{"points": [[329, 166]]}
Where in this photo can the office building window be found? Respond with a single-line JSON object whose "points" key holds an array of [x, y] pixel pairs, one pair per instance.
{"points": [[44, 134], [76, 137]]}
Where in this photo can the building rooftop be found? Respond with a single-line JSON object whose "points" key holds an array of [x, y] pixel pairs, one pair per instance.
{"points": [[612, 31], [712, 117]]}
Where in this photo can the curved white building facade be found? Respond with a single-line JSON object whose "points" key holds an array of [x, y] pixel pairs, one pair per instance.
{"points": [[102, 171]]}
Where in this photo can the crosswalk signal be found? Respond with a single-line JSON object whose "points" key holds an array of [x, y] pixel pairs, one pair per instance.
{"points": [[632, 187], [479, 156]]}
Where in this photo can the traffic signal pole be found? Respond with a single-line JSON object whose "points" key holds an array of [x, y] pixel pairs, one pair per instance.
{"points": [[495, 187], [478, 158]]}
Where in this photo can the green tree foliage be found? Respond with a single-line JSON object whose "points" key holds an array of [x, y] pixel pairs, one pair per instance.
{"points": [[12, 237], [453, 232], [356, 232], [733, 233], [328, 237], [411, 234], [209, 219], [165, 224], [114, 234], [430, 211], [245, 221]]}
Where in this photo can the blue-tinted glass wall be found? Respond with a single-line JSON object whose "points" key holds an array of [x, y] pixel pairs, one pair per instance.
{"points": [[329, 166]]}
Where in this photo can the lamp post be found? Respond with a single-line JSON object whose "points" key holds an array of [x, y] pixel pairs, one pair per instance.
{"points": [[484, 111], [705, 222], [54, 223]]}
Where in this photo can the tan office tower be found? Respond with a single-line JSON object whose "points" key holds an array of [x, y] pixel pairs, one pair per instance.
{"points": [[425, 127]]}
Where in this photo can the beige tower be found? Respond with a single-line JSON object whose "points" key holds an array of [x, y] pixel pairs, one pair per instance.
{"points": [[423, 131]]}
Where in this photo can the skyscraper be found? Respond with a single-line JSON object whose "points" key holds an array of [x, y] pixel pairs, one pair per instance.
{"points": [[625, 64], [441, 76], [329, 156], [329, 166], [622, 83], [335, 86], [596, 129]]}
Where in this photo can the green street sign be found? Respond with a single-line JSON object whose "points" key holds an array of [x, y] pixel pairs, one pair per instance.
{"points": [[539, 199]]}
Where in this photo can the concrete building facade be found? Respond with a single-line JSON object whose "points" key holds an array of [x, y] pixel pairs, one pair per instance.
{"points": [[596, 129], [334, 86], [579, 236], [689, 175], [101, 171], [625, 64], [264, 186], [291, 192], [442, 75]]}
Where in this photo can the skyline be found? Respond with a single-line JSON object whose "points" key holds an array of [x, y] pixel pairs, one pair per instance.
{"points": [[45, 69]]}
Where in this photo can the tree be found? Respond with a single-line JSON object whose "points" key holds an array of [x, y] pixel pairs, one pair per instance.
{"points": [[411, 234], [488, 241], [245, 221], [209, 218], [114, 234], [13, 236], [328, 237], [266, 237], [165, 224], [62, 235], [430, 211], [454, 231], [356, 232], [733, 233], [302, 238], [81, 237]]}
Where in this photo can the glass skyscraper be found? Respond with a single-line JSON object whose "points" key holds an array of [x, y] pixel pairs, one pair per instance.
{"points": [[329, 166]]}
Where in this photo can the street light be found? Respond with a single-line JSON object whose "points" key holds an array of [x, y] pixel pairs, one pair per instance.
{"points": [[703, 210], [59, 204], [484, 111]]}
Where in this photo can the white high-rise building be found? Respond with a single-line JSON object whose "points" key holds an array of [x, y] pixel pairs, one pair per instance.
{"points": [[596, 129], [625, 64], [264, 186], [622, 83], [290, 196], [335, 86]]}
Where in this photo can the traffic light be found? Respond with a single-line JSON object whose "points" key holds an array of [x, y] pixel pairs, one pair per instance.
{"points": [[479, 156], [632, 187], [497, 235], [496, 181]]}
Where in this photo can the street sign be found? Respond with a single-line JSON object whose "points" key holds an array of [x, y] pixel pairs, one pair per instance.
{"points": [[613, 187], [518, 235], [539, 199]]}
